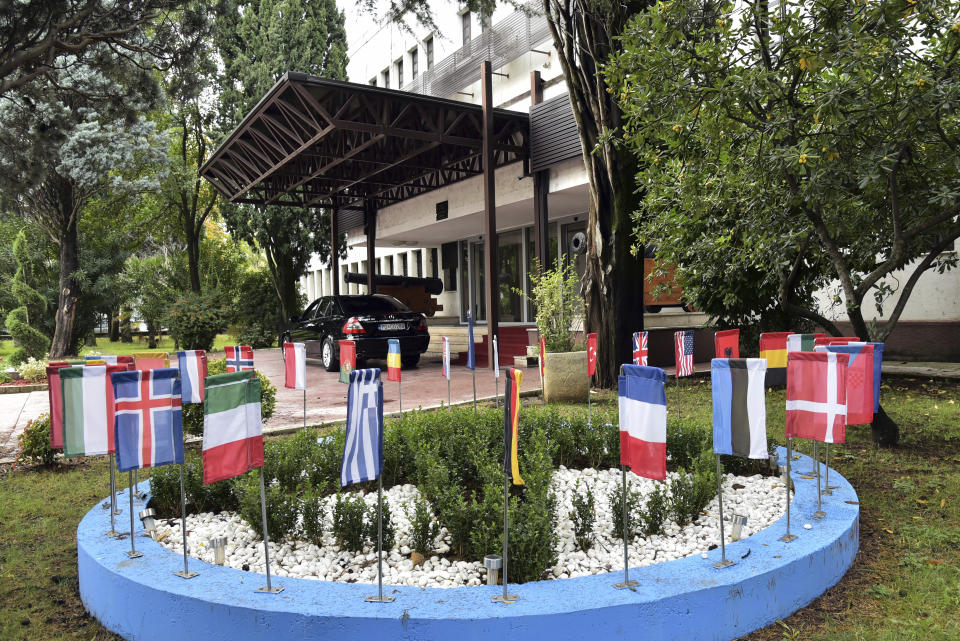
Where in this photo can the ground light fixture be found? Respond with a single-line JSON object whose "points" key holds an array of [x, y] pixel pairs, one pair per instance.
{"points": [[149, 521], [493, 563], [219, 545], [739, 521]]}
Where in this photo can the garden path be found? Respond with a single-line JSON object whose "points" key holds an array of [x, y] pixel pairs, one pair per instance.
{"points": [[15, 411]]}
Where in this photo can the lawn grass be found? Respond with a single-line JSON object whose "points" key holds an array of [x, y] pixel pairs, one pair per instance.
{"points": [[904, 585], [139, 345]]}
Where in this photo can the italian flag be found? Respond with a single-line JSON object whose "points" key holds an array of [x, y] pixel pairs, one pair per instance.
{"points": [[87, 401], [232, 431]]}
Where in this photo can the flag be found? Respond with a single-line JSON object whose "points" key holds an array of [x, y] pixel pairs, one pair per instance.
{"points": [[640, 348], [591, 354], [348, 360], [239, 358], [877, 370], [739, 407], [393, 360], [363, 448], [87, 414], [727, 343], [150, 360], [643, 421], [511, 426], [543, 352], [773, 347], [859, 380], [496, 359], [822, 339], [446, 358], [232, 431], [817, 396], [55, 396], [295, 365], [802, 342], [148, 423], [683, 352], [471, 357], [107, 359], [192, 364]]}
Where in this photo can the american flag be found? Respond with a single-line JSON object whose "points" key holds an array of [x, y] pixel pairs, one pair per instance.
{"points": [[639, 348], [683, 352]]}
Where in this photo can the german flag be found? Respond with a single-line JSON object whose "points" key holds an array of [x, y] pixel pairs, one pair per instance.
{"points": [[511, 428], [773, 348]]}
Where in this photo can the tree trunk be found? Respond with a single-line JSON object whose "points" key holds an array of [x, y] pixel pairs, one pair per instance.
{"points": [[193, 257], [886, 433], [64, 341], [114, 332]]}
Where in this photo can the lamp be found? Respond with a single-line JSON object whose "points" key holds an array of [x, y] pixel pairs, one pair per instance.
{"points": [[148, 518], [739, 521], [493, 563], [219, 545]]}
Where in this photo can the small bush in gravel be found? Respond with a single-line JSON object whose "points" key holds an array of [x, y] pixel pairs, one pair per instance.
{"points": [[616, 510], [313, 517], [583, 516], [348, 527], [685, 441], [423, 528], [282, 510], [33, 444], [389, 531], [655, 512]]}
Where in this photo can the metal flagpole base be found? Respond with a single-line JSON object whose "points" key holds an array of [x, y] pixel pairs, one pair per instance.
{"points": [[112, 534], [786, 538], [186, 574], [819, 514], [274, 589], [723, 564], [626, 584], [379, 599], [134, 554], [505, 598]]}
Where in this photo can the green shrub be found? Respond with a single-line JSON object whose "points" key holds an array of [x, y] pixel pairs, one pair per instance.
{"points": [[313, 517], [424, 529], [256, 335], [193, 412], [33, 444], [33, 370], [691, 491], [389, 532], [5, 378], [165, 491], [533, 542], [583, 516], [282, 508], [555, 294], [686, 440], [30, 342], [348, 526], [655, 512], [194, 321], [255, 312], [616, 510]]}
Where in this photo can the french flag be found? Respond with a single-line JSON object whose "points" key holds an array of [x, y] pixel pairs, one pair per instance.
{"points": [[193, 369], [643, 421]]}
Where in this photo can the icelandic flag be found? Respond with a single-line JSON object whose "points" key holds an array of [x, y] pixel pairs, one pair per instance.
{"points": [[817, 396], [393, 360], [295, 366], [860, 375], [193, 369], [739, 407], [363, 448], [239, 358], [471, 357], [148, 420], [591, 354], [446, 358], [640, 348], [496, 359], [643, 421], [726, 342]]}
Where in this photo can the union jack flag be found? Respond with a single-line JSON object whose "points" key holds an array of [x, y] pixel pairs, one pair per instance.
{"points": [[148, 418], [683, 352], [639, 348], [239, 358]]}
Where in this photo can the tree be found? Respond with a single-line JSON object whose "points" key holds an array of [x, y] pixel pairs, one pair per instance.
{"points": [[829, 129], [23, 321], [259, 42]]}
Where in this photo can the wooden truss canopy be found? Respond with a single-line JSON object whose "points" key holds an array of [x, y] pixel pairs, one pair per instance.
{"points": [[325, 143]]}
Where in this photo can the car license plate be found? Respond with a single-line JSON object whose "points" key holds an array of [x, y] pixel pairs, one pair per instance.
{"points": [[392, 327]]}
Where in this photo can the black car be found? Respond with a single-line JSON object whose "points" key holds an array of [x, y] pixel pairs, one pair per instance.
{"points": [[367, 320]]}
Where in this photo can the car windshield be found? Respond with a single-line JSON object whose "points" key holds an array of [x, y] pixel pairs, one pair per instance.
{"points": [[364, 305]]}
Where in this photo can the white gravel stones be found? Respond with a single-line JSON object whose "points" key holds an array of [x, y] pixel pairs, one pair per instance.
{"points": [[761, 500]]}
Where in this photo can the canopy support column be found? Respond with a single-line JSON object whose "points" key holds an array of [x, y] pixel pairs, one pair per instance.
{"points": [[334, 253], [370, 215], [541, 187], [491, 266]]}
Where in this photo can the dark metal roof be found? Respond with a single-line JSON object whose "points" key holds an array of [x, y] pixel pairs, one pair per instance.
{"points": [[318, 142]]}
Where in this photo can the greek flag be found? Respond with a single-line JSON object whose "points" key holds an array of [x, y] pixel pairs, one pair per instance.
{"points": [[363, 450], [471, 356]]}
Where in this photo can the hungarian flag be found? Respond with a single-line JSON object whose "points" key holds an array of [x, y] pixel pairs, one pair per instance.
{"points": [[877, 370], [445, 356], [739, 407], [683, 352], [239, 358], [511, 426], [295, 366], [393, 360], [591, 354], [232, 431], [643, 421], [496, 359], [727, 343], [471, 356], [817, 396], [802, 342], [859, 380], [148, 423], [773, 348], [55, 396], [640, 348], [87, 414], [348, 360], [543, 352], [193, 369], [363, 447]]}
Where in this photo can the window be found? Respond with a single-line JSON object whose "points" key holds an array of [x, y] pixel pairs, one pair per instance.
{"points": [[399, 64], [386, 77], [414, 64], [465, 24], [376, 304], [373, 81], [428, 46]]}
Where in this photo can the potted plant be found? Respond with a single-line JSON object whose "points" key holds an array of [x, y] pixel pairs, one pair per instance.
{"points": [[559, 313]]}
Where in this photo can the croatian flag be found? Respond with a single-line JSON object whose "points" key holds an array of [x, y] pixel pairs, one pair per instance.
{"points": [[643, 421], [683, 352], [239, 358], [393, 360], [591, 354], [446, 358], [859, 380], [148, 418], [471, 357], [726, 343], [640, 348], [363, 448], [193, 369], [496, 359], [817, 396], [295, 365]]}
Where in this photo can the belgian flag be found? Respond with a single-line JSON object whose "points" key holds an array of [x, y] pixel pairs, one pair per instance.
{"points": [[511, 428]]}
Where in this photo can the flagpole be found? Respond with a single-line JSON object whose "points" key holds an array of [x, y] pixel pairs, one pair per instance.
{"points": [[826, 480], [816, 457], [678, 396], [819, 514], [113, 501], [474, 387], [627, 583], [304, 408], [724, 561], [379, 598], [185, 573], [496, 393], [786, 538], [448, 392], [132, 552], [505, 597], [400, 395], [266, 540], [136, 482], [589, 406]]}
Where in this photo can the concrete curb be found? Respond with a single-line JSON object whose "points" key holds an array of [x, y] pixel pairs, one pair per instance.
{"points": [[24, 389]]}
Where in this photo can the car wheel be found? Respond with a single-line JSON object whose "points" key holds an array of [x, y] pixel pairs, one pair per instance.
{"points": [[327, 357], [409, 361]]}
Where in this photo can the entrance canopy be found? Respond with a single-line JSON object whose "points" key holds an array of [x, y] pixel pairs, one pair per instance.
{"points": [[326, 143]]}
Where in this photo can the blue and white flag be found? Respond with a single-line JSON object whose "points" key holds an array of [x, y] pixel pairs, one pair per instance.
{"points": [[109, 359], [643, 420], [471, 357], [363, 449], [739, 407], [148, 423], [193, 369]]}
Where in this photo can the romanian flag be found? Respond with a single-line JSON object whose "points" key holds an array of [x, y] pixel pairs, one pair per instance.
{"points": [[773, 348], [511, 427], [393, 360], [727, 343]]}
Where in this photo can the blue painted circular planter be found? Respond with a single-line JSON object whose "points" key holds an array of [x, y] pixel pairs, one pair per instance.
{"points": [[142, 600]]}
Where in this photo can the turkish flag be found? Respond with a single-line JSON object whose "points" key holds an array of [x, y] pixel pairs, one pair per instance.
{"points": [[591, 354]]}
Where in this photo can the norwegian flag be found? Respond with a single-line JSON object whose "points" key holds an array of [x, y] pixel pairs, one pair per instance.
{"points": [[639, 348], [239, 358], [148, 418], [817, 396], [683, 352]]}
